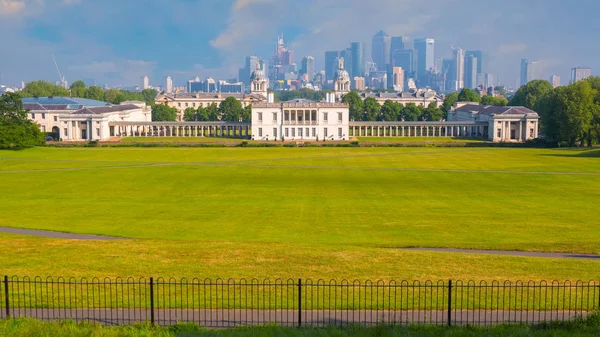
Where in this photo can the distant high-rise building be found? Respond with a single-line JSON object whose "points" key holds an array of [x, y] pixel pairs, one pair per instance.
{"points": [[231, 87], [458, 69], [251, 65], [425, 59], [407, 60], [471, 63], [308, 67], [480, 59], [555, 80], [580, 73], [358, 59], [396, 44], [447, 74], [145, 83], [370, 67], [346, 54], [331, 64], [528, 72], [380, 53], [168, 85], [486, 80], [397, 79], [359, 83]]}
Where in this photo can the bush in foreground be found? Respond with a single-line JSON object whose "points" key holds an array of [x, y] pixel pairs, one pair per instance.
{"points": [[29, 327]]}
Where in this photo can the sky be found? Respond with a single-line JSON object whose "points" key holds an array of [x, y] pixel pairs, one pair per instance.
{"points": [[116, 42]]}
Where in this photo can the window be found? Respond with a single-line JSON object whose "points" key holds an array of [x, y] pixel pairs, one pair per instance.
{"points": [[293, 132], [194, 105], [65, 131], [43, 128], [325, 116], [275, 132], [314, 132], [499, 133], [307, 132], [32, 116], [340, 116], [286, 116], [300, 132], [313, 116], [340, 132], [179, 105], [186, 105], [56, 118], [97, 132], [260, 116], [43, 116], [260, 132], [287, 134], [530, 133], [274, 116], [325, 132]]}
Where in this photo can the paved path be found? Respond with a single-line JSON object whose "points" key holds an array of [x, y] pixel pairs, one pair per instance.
{"points": [[508, 253], [56, 235]]}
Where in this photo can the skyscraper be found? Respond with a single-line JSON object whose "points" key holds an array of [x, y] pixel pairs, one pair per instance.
{"points": [[471, 63], [145, 83], [580, 73], [480, 59], [396, 78], [555, 80], [308, 67], [425, 58], [397, 44], [168, 85], [528, 72], [330, 64], [380, 52], [407, 60], [251, 65], [358, 59], [346, 54], [458, 69]]}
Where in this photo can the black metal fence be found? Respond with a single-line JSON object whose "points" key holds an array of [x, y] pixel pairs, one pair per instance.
{"points": [[231, 303]]}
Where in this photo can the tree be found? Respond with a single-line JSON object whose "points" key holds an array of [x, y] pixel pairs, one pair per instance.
{"points": [[163, 113], [247, 113], [411, 112], [496, 101], [530, 93], [449, 101], [468, 95], [78, 89], [212, 111], [372, 109], [42, 89], [432, 113], [390, 111], [95, 93], [231, 109], [190, 115], [16, 130], [355, 104], [113, 96], [501, 90], [149, 96]]}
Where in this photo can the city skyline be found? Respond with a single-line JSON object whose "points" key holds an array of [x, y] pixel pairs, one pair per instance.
{"points": [[86, 49]]}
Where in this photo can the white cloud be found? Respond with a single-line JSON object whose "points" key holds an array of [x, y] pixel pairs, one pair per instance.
{"points": [[15, 9], [512, 48], [11, 7]]}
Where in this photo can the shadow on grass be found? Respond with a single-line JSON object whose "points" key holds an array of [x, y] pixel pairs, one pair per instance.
{"points": [[577, 153]]}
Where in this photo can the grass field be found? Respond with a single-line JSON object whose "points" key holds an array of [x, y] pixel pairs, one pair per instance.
{"points": [[26, 328], [301, 212]]}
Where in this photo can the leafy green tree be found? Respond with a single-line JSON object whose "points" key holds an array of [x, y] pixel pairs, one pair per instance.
{"points": [[355, 104], [148, 96], [390, 111], [411, 112], [16, 130], [501, 90], [305, 93], [372, 109], [113, 96], [190, 114], [432, 113], [95, 92], [530, 93], [231, 109], [212, 111], [496, 101], [163, 113], [449, 101], [78, 89], [247, 113], [42, 89], [468, 95]]}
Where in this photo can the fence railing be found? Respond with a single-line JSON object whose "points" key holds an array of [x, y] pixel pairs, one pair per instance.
{"points": [[295, 302]]}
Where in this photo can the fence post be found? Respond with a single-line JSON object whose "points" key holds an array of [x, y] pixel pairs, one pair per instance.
{"points": [[151, 301], [299, 302], [6, 296], [449, 303]]}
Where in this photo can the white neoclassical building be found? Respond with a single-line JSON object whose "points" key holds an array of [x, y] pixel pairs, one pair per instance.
{"points": [[498, 124], [300, 120], [79, 119]]}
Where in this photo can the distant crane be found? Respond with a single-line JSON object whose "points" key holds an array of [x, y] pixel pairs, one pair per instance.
{"points": [[63, 81]]}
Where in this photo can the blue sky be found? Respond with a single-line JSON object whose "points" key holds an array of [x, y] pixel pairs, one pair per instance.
{"points": [[116, 42]]}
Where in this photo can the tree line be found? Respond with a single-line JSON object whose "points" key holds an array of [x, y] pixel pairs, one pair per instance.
{"points": [[230, 110], [370, 110], [569, 115], [80, 90], [16, 130]]}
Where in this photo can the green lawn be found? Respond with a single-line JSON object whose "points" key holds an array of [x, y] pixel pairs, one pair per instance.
{"points": [[426, 140], [301, 212]]}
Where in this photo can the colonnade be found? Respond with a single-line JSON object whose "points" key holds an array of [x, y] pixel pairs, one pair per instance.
{"points": [[383, 129], [161, 129]]}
